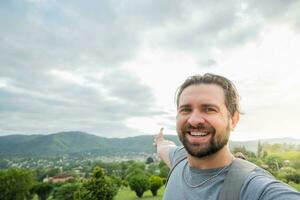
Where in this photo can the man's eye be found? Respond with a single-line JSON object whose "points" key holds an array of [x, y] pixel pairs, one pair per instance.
{"points": [[209, 110], [185, 110]]}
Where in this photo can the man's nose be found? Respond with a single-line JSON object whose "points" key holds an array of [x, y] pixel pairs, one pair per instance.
{"points": [[196, 118]]}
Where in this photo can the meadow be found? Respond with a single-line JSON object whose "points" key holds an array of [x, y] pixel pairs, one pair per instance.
{"points": [[126, 194]]}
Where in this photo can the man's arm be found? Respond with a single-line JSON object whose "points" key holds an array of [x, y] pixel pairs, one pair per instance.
{"points": [[163, 147], [262, 187]]}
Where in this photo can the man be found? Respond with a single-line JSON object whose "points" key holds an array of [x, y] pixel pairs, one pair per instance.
{"points": [[207, 111]]}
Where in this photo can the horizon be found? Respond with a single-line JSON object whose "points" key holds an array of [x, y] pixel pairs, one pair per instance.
{"points": [[45, 134], [113, 68]]}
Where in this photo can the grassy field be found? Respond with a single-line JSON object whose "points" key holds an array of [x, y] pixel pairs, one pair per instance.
{"points": [[127, 194]]}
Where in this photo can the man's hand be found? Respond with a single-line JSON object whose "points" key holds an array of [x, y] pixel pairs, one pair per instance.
{"points": [[163, 147], [159, 137]]}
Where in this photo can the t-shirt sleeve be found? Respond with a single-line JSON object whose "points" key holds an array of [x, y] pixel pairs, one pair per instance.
{"points": [[175, 153], [261, 187]]}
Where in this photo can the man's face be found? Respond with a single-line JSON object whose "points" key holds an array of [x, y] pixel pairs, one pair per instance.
{"points": [[203, 121]]}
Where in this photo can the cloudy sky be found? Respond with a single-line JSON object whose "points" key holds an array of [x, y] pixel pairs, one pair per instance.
{"points": [[112, 67]]}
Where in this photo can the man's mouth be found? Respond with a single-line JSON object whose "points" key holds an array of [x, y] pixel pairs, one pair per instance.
{"points": [[198, 133]]}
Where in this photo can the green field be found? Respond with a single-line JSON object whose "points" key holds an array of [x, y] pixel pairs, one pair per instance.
{"points": [[127, 194]]}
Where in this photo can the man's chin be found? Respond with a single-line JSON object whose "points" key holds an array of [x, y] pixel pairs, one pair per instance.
{"points": [[198, 151]]}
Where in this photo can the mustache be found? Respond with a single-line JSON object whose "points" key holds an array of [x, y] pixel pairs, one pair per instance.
{"points": [[199, 127]]}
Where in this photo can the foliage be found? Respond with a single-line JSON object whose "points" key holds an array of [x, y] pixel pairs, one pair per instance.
{"points": [[164, 171], [41, 173], [15, 183], [30, 194], [296, 162], [66, 191], [155, 183], [111, 168], [43, 190], [152, 169], [98, 187], [259, 150], [273, 148], [289, 174], [127, 194], [244, 151], [135, 168], [139, 183], [294, 185], [149, 160], [274, 162]]}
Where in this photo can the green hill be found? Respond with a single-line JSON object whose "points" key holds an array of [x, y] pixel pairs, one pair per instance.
{"points": [[79, 142]]}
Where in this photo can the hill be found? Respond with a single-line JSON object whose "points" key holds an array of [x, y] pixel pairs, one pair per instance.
{"points": [[79, 142]]}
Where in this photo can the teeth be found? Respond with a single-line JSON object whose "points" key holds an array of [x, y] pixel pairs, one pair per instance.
{"points": [[198, 134]]}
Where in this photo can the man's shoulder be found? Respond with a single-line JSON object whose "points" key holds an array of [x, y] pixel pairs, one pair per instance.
{"points": [[262, 185], [176, 154]]}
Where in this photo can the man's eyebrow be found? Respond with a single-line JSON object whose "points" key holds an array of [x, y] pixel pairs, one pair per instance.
{"points": [[209, 105], [184, 106]]}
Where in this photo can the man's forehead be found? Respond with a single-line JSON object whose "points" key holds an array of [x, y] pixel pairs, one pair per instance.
{"points": [[203, 91]]}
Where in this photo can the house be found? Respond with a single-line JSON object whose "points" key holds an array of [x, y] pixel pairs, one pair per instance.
{"points": [[58, 179]]}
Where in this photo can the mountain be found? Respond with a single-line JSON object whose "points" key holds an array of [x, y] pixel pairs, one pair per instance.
{"points": [[80, 142], [251, 145], [58, 143]]}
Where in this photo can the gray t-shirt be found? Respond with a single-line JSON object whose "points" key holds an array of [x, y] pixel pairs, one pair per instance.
{"points": [[190, 183]]}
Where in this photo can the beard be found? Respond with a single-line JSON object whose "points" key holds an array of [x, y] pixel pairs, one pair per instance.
{"points": [[200, 150]]}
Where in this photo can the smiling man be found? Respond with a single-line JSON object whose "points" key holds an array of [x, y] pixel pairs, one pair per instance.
{"points": [[204, 168]]}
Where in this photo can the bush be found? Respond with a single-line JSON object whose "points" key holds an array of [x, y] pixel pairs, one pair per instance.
{"points": [[66, 191], [15, 183], [288, 174], [155, 183], [43, 190], [294, 185], [139, 183], [98, 187]]}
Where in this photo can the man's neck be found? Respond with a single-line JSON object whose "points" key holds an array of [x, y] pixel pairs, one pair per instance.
{"points": [[219, 159]]}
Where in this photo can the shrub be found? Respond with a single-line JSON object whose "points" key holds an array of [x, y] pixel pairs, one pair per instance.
{"points": [[139, 183], [155, 183]]}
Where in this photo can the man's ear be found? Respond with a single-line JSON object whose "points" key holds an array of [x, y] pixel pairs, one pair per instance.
{"points": [[235, 119]]}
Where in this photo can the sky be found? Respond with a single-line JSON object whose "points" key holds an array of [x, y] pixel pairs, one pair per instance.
{"points": [[111, 68]]}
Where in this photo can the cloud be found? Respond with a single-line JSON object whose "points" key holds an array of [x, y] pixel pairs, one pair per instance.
{"points": [[109, 100], [62, 62]]}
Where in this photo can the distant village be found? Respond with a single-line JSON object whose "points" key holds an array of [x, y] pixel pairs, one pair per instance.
{"points": [[64, 168]]}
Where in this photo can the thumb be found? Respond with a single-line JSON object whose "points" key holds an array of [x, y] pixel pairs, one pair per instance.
{"points": [[159, 137], [161, 132]]}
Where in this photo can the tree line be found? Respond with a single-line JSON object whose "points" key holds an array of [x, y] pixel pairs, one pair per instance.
{"points": [[102, 183], [103, 180]]}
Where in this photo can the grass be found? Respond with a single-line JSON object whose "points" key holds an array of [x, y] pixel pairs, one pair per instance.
{"points": [[127, 194], [296, 186]]}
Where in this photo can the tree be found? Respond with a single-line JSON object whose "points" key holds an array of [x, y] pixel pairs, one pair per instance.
{"points": [[66, 191], [152, 168], [43, 190], [139, 183], [164, 171], [30, 194], [135, 168], [244, 151], [15, 183], [296, 163], [155, 183], [149, 160], [274, 162], [289, 174], [98, 187]]}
